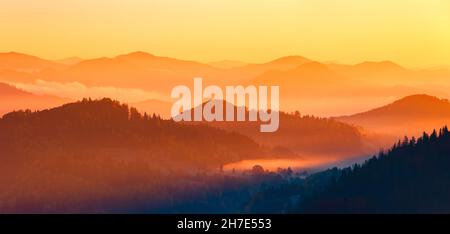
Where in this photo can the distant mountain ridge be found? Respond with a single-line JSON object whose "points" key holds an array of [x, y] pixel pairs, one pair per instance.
{"points": [[410, 115], [12, 99], [306, 84], [26, 63], [413, 106]]}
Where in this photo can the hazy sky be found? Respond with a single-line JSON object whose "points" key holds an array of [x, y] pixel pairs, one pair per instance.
{"points": [[415, 33]]}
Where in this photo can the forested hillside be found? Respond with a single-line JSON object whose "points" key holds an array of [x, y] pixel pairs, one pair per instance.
{"points": [[412, 177], [101, 155]]}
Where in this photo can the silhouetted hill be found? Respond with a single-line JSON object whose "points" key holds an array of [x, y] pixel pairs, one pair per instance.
{"points": [[365, 71], [409, 115], [411, 177], [306, 135], [12, 99], [283, 63], [322, 89], [27, 63], [309, 79], [294, 60], [383, 66], [133, 70], [105, 123], [150, 61], [97, 156], [410, 107], [304, 74]]}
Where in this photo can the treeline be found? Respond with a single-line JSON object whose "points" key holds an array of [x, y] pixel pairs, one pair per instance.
{"points": [[411, 177]]}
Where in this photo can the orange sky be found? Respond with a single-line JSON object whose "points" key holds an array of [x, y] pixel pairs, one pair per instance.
{"points": [[414, 33]]}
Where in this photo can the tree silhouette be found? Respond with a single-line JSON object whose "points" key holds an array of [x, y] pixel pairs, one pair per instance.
{"points": [[413, 176]]}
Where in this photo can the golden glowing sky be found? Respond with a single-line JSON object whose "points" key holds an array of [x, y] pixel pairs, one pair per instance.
{"points": [[414, 33]]}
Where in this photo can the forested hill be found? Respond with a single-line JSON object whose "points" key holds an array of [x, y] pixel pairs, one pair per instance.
{"points": [[412, 177], [102, 125], [97, 156], [305, 135]]}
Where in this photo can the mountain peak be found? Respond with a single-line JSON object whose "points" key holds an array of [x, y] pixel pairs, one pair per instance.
{"points": [[409, 107], [421, 99], [24, 62], [13, 53], [17, 55], [137, 54], [380, 65], [293, 59]]}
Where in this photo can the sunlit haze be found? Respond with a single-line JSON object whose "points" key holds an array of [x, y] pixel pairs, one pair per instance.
{"points": [[413, 33]]}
